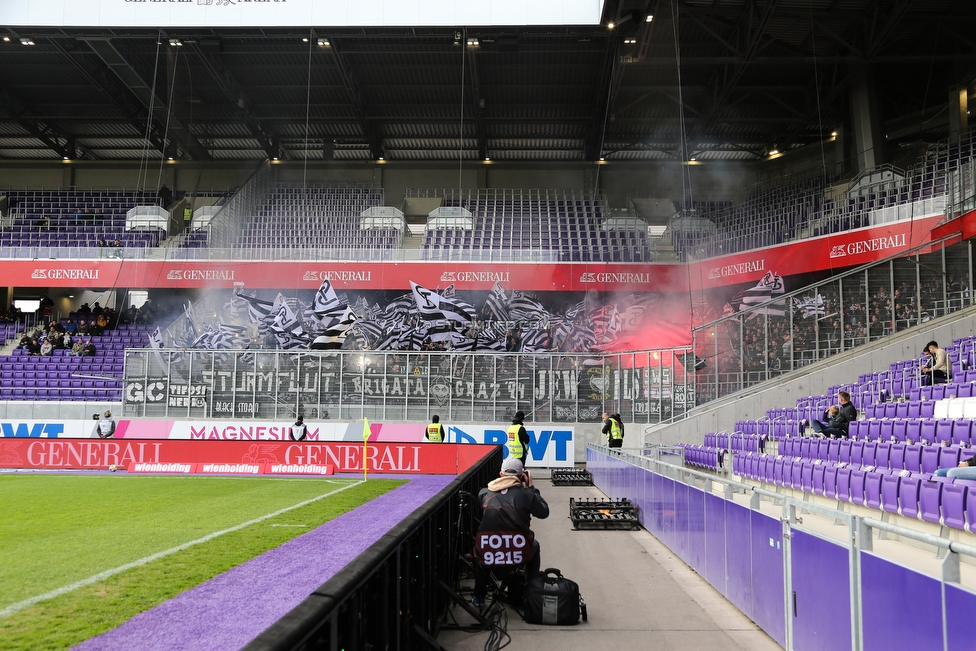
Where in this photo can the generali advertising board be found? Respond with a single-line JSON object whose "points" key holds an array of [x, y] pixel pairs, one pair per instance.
{"points": [[550, 446]]}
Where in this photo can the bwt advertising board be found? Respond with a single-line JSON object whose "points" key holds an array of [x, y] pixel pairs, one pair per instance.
{"points": [[550, 445]]}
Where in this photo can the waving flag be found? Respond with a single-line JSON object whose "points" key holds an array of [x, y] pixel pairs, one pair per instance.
{"points": [[765, 290], [810, 306], [327, 305], [335, 334], [433, 306]]}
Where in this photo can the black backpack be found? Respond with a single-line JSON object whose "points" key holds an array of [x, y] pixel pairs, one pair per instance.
{"points": [[552, 599]]}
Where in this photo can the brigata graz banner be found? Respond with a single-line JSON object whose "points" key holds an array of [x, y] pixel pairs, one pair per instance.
{"points": [[575, 395]]}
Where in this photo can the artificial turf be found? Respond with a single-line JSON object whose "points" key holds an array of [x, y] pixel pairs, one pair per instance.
{"points": [[59, 529]]}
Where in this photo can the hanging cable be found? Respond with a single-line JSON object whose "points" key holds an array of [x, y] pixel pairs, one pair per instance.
{"points": [[308, 106], [464, 47], [169, 113], [686, 191], [144, 161]]}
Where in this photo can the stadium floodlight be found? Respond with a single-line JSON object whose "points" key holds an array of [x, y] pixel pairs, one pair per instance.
{"points": [[6, 39], [649, 19], [175, 42], [323, 42], [473, 42], [26, 41], [611, 25]]}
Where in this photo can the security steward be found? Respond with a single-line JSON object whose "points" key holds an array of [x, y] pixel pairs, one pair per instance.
{"points": [[518, 438], [613, 429], [299, 431], [435, 431]]}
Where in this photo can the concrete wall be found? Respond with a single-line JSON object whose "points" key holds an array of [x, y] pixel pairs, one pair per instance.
{"points": [[813, 380]]}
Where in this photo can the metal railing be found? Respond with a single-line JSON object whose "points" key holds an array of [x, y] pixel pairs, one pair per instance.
{"points": [[644, 387], [830, 317], [395, 593]]}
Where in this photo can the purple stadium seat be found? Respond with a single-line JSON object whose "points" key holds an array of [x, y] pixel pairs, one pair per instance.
{"points": [[901, 410], [819, 448], [913, 458], [930, 501], [890, 489], [844, 451], [795, 478], [954, 505], [961, 431], [949, 457], [833, 450], [930, 458], [805, 449], [971, 509], [867, 456], [778, 471], [908, 496], [874, 430], [857, 452], [854, 428], [857, 486], [914, 410], [898, 430], [943, 431], [872, 489], [844, 484], [896, 457], [913, 431], [830, 481], [818, 478], [806, 476], [882, 455], [766, 469], [927, 409], [927, 433], [887, 427]]}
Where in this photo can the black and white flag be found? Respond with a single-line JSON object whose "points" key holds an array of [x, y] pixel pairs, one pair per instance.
{"points": [[810, 306]]}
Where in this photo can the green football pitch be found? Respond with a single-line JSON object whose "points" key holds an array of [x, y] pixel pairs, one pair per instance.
{"points": [[80, 554]]}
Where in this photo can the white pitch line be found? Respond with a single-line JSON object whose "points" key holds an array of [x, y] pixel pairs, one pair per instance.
{"points": [[101, 576]]}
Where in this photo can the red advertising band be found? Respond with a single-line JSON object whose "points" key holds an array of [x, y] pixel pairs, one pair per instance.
{"points": [[274, 457]]}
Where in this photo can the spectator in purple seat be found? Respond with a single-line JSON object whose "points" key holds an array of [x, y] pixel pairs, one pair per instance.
{"points": [[936, 370], [839, 422], [129, 315], [58, 341], [71, 327], [78, 347], [44, 222], [101, 243], [82, 327], [25, 342], [965, 470], [47, 348], [35, 347], [89, 349]]}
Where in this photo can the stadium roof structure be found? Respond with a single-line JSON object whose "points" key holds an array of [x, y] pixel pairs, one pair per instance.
{"points": [[754, 76]]}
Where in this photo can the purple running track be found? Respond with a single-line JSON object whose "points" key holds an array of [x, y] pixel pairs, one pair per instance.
{"points": [[233, 608]]}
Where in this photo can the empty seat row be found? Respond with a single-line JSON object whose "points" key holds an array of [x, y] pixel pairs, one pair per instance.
{"points": [[897, 456]]}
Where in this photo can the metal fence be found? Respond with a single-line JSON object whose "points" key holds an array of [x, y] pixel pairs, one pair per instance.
{"points": [[854, 308], [644, 387]]}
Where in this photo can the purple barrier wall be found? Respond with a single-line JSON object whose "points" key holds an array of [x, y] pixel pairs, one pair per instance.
{"points": [[821, 594], [739, 551], [889, 624]]}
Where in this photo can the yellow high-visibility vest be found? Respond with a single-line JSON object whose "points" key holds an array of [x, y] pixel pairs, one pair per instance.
{"points": [[616, 431], [515, 447], [434, 432]]}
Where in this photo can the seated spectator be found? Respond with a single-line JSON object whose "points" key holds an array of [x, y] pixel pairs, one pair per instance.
{"points": [[965, 470], [102, 321], [129, 315], [101, 243], [58, 341], [35, 347], [84, 309], [936, 369], [839, 420], [89, 349], [71, 327], [47, 348], [25, 342], [78, 348], [82, 327], [44, 222]]}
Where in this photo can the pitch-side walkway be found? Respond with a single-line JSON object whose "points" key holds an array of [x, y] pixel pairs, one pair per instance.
{"points": [[638, 594], [233, 608]]}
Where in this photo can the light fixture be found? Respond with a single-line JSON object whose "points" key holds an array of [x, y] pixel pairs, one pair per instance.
{"points": [[71, 295], [175, 42], [170, 158], [6, 39], [611, 25], [649, 19], [630, 41], [65, 158], [773, 152], [833, 134], [692, 159], [26, 41], [473, 42], [380, 158], [602, 159], [323, 42], [305, 40], [275, 159], [487, 159]]}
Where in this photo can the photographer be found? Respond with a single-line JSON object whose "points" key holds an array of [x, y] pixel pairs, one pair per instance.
{"points": [[508, 504]]}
